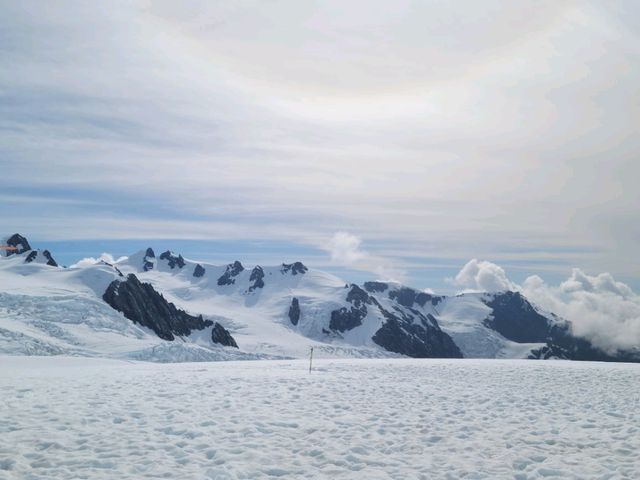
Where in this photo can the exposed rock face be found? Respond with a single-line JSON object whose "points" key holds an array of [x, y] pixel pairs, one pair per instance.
{"points": [[419, 337], [294, 311], [142, 304], [50, 261], [295, 268], [408, 296], [345, 319], [172, 259], [149, 258], [515, 319], [374, 287], [257, 277], [33, 255], [18, 241], [221, 335], [405, 331], [198, 271], [233, 270]]}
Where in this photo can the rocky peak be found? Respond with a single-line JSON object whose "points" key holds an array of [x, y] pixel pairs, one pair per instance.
{"points": [[149, 260], [514, 318], [233, 270], [198, 271], [374, 287], [295, 268], [172, 259], [419, 337], [257, 277], [19, 242], [20, 245], [345, 318], [45, 255], [406, 297]]}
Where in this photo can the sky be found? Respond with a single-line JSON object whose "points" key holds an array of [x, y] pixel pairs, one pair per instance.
{"points": [[393, 140]]}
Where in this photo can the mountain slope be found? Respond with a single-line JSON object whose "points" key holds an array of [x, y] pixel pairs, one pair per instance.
{"points": [[167, 307], [48, 310]]}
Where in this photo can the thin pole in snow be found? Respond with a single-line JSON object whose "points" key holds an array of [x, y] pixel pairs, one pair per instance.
{"points": [[310, 359]]}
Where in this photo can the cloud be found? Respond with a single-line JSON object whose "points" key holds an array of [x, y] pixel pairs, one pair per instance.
{"points": [[600, 308], [604, 310], [416, 124], [105, 257], [602, 283], [483, 276], [345, 249]]}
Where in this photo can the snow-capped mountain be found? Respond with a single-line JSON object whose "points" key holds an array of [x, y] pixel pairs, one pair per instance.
{"points": [[165, 307]]}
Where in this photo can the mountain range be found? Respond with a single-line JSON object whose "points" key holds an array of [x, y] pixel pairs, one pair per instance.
{"points": [[164, 307]]}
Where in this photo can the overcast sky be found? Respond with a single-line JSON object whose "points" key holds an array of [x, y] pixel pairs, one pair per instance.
{"points": [[391, 138]]}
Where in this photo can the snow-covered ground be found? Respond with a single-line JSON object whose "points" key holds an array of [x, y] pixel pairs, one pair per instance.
{"points": [[63, 417]]}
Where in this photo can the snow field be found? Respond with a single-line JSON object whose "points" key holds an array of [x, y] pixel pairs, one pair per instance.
{"points": [[65, 417]]}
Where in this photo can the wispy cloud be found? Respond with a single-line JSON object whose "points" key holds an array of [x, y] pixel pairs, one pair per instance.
{"points": [[419, 127], [346, 249], [104, 257]]}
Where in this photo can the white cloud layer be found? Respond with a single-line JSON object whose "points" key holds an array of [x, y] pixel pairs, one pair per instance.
{"points": [[483, 276], [445, 129], [346, 249], [605, 311], [602, 309], [104, 257]]}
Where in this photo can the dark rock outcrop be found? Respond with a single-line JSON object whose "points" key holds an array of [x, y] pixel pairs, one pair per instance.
{"points": [[50, 261], [221, 335], [517, 320], [408, 296], [233, 270], [419, 339], [294, 311], [295, 268], [172, 259], [514, 318], [198, 271], [19, 242], [142, 304], [33, 255], [405, 331], [257, 277], [149, 256], [375, 287], [344, 318]]}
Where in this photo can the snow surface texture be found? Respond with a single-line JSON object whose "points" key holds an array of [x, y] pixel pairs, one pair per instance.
{"points": [[399, 419]]}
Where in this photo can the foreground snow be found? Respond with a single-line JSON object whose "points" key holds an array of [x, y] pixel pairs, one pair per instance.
{"points": [[67, 417]]}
